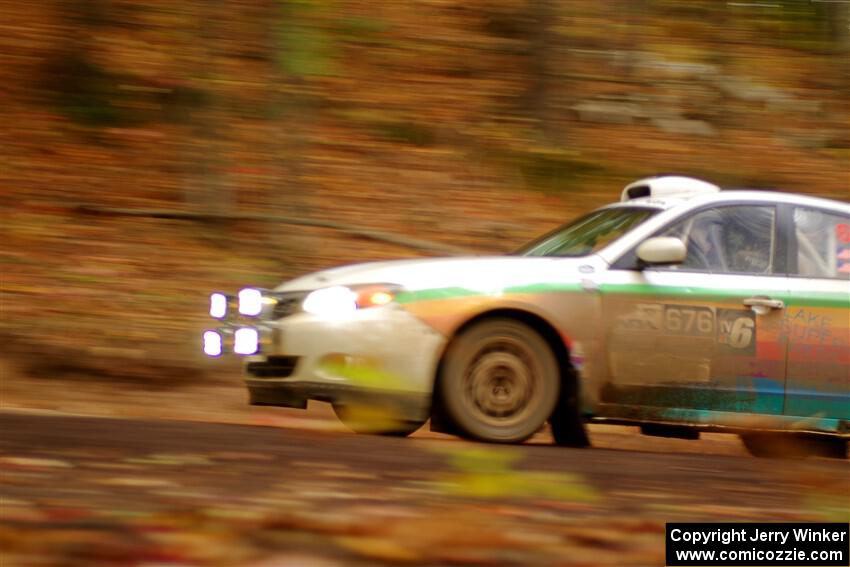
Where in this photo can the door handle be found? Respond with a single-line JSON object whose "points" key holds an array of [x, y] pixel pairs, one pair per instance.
{"points": [[763, 305]]}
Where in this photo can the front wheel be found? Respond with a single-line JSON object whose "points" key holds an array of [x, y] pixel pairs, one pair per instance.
{"points": [[374, 420], [500, 381]]}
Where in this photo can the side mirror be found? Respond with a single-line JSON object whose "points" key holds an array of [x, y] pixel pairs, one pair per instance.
{"points": [[662, 251]]}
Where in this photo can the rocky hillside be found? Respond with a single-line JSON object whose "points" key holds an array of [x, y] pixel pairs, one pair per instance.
{"points": [[473, 123]]}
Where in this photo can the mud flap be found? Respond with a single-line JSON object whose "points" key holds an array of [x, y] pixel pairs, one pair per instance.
{"points": [[568, 427]]}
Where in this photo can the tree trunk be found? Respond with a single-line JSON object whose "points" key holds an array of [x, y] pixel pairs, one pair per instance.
{"points": [[540, 90], [208, 189]]}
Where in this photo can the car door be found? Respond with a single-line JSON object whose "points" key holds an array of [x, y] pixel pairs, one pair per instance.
{"points": [[817, 319], [704, 334]]}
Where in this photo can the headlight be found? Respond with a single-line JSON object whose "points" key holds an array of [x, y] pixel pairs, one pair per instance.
{"points": [[339, 301], [246, 340], [218, 305], [331, 301], [212, 343], [250, 302]]}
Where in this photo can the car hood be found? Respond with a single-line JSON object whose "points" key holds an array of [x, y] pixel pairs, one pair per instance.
{"points": [[474, 273]]}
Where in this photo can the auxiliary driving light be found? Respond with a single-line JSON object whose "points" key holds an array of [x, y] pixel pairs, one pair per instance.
{"points": [[212, 343], [246, 340], [250, 302], [218, 305]]}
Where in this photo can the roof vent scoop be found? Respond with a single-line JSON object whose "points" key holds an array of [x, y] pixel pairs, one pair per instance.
{"points": [[668, 187]]}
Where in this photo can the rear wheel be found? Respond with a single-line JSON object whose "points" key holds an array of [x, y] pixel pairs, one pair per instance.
{"points": [[794, 445], [500, 381], [374, 420]]}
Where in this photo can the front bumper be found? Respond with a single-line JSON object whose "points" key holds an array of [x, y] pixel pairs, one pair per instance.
{"points": [[413, 406], [382, 354]]}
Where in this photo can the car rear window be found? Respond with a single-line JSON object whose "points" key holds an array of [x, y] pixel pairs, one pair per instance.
{"points": [[823, 244]]}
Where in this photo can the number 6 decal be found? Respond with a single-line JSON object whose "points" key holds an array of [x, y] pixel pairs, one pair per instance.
{"points": [[736, 330], [741, 334]]}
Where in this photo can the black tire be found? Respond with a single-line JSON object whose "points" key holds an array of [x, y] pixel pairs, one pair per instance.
{"points": [[374, 420], [794, 445], [500, 381]]}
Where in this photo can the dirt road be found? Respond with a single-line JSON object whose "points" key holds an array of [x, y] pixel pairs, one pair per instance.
{"points": [[102, 491]]}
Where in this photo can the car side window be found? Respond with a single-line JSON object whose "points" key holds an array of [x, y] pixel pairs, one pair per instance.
{"points": [[823, 244], [727, 240]]}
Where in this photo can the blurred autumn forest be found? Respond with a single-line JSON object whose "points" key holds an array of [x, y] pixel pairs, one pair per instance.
{"points": [[475, 123]]}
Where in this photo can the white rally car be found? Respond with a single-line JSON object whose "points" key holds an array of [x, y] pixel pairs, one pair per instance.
{"points": [[679, 308]]}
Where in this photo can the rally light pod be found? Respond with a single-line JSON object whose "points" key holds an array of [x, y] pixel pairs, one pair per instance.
{"points": [[218, 305], [250, 302], [246, 340], [213, 343]]}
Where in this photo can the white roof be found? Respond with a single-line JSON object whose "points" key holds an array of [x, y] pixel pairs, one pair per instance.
{"points": [[667, 187]]}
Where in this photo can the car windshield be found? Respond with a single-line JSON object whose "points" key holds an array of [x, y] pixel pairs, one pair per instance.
{"points": [[587, 234]]}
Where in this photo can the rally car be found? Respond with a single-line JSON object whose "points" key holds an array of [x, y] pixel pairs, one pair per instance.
{"points": [[681, 308]]}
